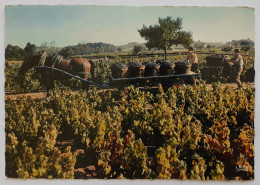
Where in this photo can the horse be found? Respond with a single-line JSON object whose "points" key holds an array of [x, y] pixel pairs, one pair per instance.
{"points": [[81, 67]]}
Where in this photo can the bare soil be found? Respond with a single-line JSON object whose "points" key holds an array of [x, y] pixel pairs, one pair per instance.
{"points": [[37, 95]]}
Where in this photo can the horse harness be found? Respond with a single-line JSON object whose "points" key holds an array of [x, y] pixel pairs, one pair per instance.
{"points": [[56, 59], [42, 59]]}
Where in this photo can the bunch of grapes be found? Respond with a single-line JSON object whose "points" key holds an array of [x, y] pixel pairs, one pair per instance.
{"points": [[182, 67], [118, 70], [166, 67], [151, 68], [135, 69]]}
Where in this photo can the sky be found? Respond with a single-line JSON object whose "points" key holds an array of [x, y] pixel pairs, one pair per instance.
{"points": [[118, 25]]}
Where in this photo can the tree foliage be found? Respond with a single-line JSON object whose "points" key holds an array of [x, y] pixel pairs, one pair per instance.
{"points": [[89, 48], [246, 44], [66, 52], [246, 48], [136, 50], [227, 49], [242, 42], [165, 34], [29, 49], [13, 52]]}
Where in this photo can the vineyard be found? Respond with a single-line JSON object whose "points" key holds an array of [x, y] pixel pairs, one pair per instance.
{"points": [[185, 132]]}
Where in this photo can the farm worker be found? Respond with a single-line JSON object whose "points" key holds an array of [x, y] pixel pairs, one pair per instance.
{"points": [[237, 63], [192, 57]]}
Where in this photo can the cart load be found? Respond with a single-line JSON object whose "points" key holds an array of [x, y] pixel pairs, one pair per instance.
{"points": [[182, 67], [151, 68], [139, 81], [215, 60], [118, 70], [216, 69], [135, 69], [166, 67]]}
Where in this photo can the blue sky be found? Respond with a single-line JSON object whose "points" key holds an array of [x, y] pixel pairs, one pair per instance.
{"points": [[69, 25]]}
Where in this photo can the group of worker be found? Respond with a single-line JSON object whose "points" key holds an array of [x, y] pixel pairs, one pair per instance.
{"points": [[236, 62]]}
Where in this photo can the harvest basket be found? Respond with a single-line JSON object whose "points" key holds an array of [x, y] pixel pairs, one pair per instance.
{"points": [[151, 69], [166, 68], [135, 69], [182, 67], [215, 60], [118, 70]]}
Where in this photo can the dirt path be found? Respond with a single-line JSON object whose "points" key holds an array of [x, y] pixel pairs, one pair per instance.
{"points": [[37, 95], [41, 95]]}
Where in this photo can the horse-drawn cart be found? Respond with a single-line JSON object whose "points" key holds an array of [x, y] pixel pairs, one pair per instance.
{"points": [[149, 81]]}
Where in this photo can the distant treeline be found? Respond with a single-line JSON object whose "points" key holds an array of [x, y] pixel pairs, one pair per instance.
{"points": [[14, 52], [18, 53], [89, 48]]}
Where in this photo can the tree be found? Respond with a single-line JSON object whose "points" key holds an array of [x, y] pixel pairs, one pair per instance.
{"points": [[227, 49], [246, 48], [209, 46], [66, 52], [244, 43], [13, 52], [136, 50], [165, 34], [29, 49]]}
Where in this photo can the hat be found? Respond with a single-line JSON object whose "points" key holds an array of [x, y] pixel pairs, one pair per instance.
{"points": [[237, 50], [191, 49]]}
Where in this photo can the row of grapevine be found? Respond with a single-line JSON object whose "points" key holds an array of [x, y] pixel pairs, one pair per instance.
{"points": [[189, 132], [31, 132]]}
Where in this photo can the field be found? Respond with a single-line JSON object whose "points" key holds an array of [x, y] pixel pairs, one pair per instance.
{"points": [[185, 132]]}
